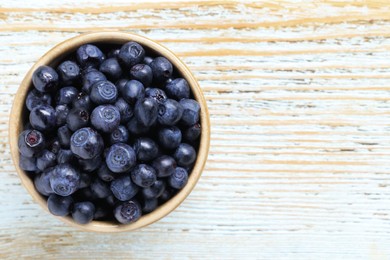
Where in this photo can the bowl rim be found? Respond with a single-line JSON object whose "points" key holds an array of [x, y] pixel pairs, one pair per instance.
{"points": [[70, 45]]}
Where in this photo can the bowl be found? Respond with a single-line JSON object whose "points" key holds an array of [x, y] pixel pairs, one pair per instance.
{"points": [[52, 58]]}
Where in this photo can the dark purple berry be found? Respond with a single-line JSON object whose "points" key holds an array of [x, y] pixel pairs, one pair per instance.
{"points": [[77, 118], [64, 180], [127, 212], [89, 55], [146, 149], [45, 79], [90, 77], [169, 137], [111, 68], [178, 178], [59, 205], [131, 53], [164, 165], [35, 98], [162, 69], [83, 212], [68, 71], [123, 188], [178, 89], [185, 155], [86, 143], [155, 190], [104, 92], [143, 175], [66, 95], [43, 117], [142, 73], [105, 118], [120, 158], [191, 111], [146, 111], [119, 135]]}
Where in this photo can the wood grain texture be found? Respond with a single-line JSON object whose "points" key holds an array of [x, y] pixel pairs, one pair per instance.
{"points": [[299, 157]]}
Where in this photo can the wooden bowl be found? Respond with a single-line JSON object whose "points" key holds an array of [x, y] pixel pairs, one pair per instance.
{"points": [[52, 58]]}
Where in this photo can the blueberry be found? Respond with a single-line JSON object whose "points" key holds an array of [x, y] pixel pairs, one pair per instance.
{"points": [[164, 165], [123, 188], [64, 156], [43, 117], [83, 212], [86, 143], [89, 55], [82, 101], [62, 112], [169, 137], [157, 94], [66, 95], [64, 180], [28, 163], [125, 110], [185, 155], [120, 84], [146, 111], [90, 165], [42, 182], [113, 53], [105, 174], [120, 158], [85, 180], [68, 71], [191, 112], [148, 205], [162, 69], [90, 77], [105, 118], [104, 92], [146, 149], [131, 53], [45, 79], [169, 112], [127, 212], [178, 89], [178, 179], [100, 189], [31, 142], [165, 196], [147, 60], [132, 91], [59, 205], [35, 98], [143, 175], [142, 73], [64, 134], [155, 190], [111, 68], [77, 118], [45, 160], [192, 133], [135, 127], [119, 135]]}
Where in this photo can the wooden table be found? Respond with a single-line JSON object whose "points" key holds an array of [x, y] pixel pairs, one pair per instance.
{"points": [[300, 154]]}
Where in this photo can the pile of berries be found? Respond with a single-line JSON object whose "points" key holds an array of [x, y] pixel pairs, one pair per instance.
{"points": [[112, 133]]}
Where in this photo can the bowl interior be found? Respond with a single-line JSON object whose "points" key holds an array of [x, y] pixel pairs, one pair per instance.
{"points": [[104, 40]]}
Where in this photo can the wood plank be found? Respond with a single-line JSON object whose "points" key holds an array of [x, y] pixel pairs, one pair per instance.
{"points": [[299, 158]]}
